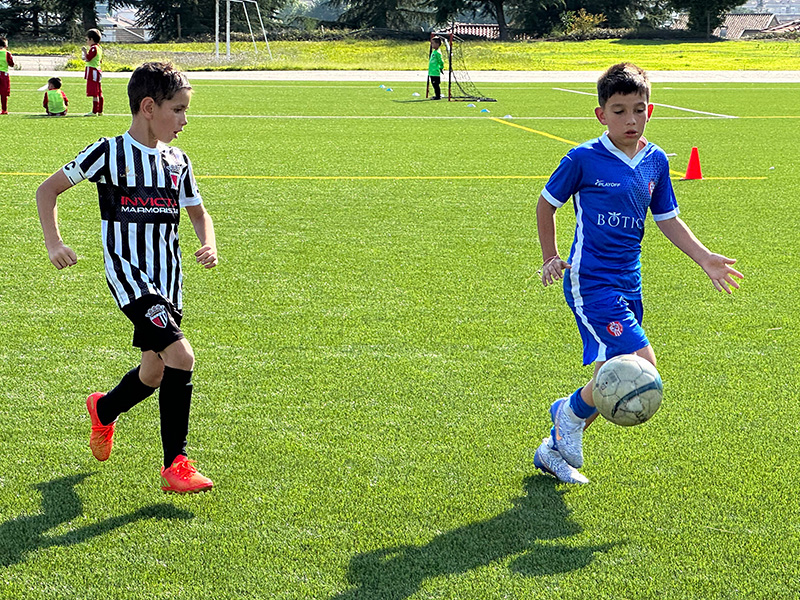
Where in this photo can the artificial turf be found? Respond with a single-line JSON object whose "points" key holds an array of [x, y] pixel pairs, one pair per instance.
{"points": [[376, 356]]}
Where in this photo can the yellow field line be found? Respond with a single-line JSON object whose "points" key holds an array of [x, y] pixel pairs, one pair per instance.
{"points": [[571, 143], [334, 177], [369, 177], [542, 133]]}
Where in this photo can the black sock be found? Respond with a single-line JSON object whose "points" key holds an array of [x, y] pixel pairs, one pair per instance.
{"points": [[174, 402], [128, 393]]}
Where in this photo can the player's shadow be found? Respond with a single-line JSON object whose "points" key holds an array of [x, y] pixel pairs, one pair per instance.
{"points": [[61, 504], [538, 516], [50, 117]]}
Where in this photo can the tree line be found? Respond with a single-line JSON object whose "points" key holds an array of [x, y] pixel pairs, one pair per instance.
{"points": [[173, 19]]}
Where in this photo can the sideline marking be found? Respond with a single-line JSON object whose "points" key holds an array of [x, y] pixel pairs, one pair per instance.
{"points": [[699, 112]]}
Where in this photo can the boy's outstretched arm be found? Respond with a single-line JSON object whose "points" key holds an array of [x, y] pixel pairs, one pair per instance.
{"points": [[204, 228], [60, 254], [552, 265], [716, 266]]}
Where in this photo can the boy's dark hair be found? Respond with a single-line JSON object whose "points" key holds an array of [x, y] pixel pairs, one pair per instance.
{"points": [[623, 78], [55, 82], [436, 38], [94, 35], [157, 80], [3, 42]]}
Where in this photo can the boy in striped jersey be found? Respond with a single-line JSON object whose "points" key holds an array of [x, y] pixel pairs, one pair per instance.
{"points": [[613, 181], [142, 183]]}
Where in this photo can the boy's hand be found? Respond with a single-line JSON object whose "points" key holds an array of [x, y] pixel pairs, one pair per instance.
{"points": [[62, 256], [718, 268], [207, 256], [552, 270]]}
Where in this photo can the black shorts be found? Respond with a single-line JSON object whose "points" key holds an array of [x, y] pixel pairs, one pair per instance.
{"points": [[156, 322]]}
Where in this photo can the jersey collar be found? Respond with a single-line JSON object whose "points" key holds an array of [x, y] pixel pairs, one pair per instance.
{"points": [[157, 150], [631, 162]]}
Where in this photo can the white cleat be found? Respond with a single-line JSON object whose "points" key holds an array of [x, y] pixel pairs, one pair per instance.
{"points": [[568, 432], [550, 461]]}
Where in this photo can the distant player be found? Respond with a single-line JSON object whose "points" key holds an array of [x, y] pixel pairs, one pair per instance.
{"points": [[93, 73], [435, 67], [613, 181], [142, 184], [55, 101], [6, 61]]}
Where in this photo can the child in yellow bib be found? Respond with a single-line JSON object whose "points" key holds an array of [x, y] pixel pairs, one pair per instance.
{"points": [[55, 100], [6, 61]]}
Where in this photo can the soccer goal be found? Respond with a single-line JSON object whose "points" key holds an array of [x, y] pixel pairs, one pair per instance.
{"points": [[459, 82], [228, 26]]}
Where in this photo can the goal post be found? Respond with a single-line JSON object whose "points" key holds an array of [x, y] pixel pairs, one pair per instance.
{"points": [[459, 83], [228, 26]]}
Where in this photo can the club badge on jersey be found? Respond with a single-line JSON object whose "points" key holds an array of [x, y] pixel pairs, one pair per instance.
{"points": [[158, 315], [174, 175], [615, 328]]}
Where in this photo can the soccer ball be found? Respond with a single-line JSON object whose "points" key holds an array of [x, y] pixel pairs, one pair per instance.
{"points": [[627, 390]]}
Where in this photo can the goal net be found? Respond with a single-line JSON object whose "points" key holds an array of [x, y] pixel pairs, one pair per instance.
{"points": [[459, 83]]}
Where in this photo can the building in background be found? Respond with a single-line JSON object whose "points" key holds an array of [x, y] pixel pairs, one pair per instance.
{"points": [[119, 25]]}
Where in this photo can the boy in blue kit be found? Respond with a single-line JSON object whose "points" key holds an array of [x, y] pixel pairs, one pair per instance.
{"points": [[613, 180]]}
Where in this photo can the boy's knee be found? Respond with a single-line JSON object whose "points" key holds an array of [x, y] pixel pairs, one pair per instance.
{"points": [[179, 355], [151, 370], [151, 375]]}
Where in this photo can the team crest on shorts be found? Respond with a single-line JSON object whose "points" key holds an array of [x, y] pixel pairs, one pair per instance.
{"points": [[158, 315], [615, 328]]}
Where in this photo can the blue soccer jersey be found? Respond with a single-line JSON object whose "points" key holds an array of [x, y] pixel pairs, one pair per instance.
{"points": [[611, 195]]}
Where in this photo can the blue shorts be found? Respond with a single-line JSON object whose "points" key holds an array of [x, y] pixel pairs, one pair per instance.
{"points": [[610, 327]]}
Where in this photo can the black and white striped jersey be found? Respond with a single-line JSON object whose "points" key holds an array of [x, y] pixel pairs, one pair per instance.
{"points": [[141, 192]]}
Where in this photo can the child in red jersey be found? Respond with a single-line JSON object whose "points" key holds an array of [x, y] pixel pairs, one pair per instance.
{"points": [[55, 100], [93, 73], [6, 61]]}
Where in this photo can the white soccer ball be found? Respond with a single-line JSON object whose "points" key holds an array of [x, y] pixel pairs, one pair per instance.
{"points": [[627, 390]]}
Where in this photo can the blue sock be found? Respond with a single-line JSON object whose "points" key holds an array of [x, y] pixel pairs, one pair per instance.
{"points": [[579, 407]]}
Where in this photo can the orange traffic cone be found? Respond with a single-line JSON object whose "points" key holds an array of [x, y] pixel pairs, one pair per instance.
{"points": [[693, 170]]}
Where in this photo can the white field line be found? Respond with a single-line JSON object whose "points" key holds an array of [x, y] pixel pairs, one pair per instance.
{"points": [[193, 116], [691, 110]]}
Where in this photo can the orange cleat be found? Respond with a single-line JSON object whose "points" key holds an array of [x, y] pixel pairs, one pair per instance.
{"points": [[102, 437], [183, 478]]}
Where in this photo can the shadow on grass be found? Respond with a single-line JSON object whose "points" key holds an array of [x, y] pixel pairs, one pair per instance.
{"points": [[61, 504], [541, 514]]}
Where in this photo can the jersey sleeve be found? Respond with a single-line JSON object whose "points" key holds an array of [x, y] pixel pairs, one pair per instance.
{"points": [[189, 194], [564, 181], [9, 59], [89, 164], [91, 53], [663, 203]]}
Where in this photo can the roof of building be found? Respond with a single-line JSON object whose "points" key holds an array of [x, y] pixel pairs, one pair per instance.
{"points": [[735, 26], [785, 27]]}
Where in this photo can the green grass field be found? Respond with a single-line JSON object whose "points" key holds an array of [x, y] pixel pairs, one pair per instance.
{"points": [[376, 357], [593, 55]]}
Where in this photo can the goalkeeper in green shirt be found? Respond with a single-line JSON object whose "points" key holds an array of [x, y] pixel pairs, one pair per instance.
{"points": [[435, 67]]}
